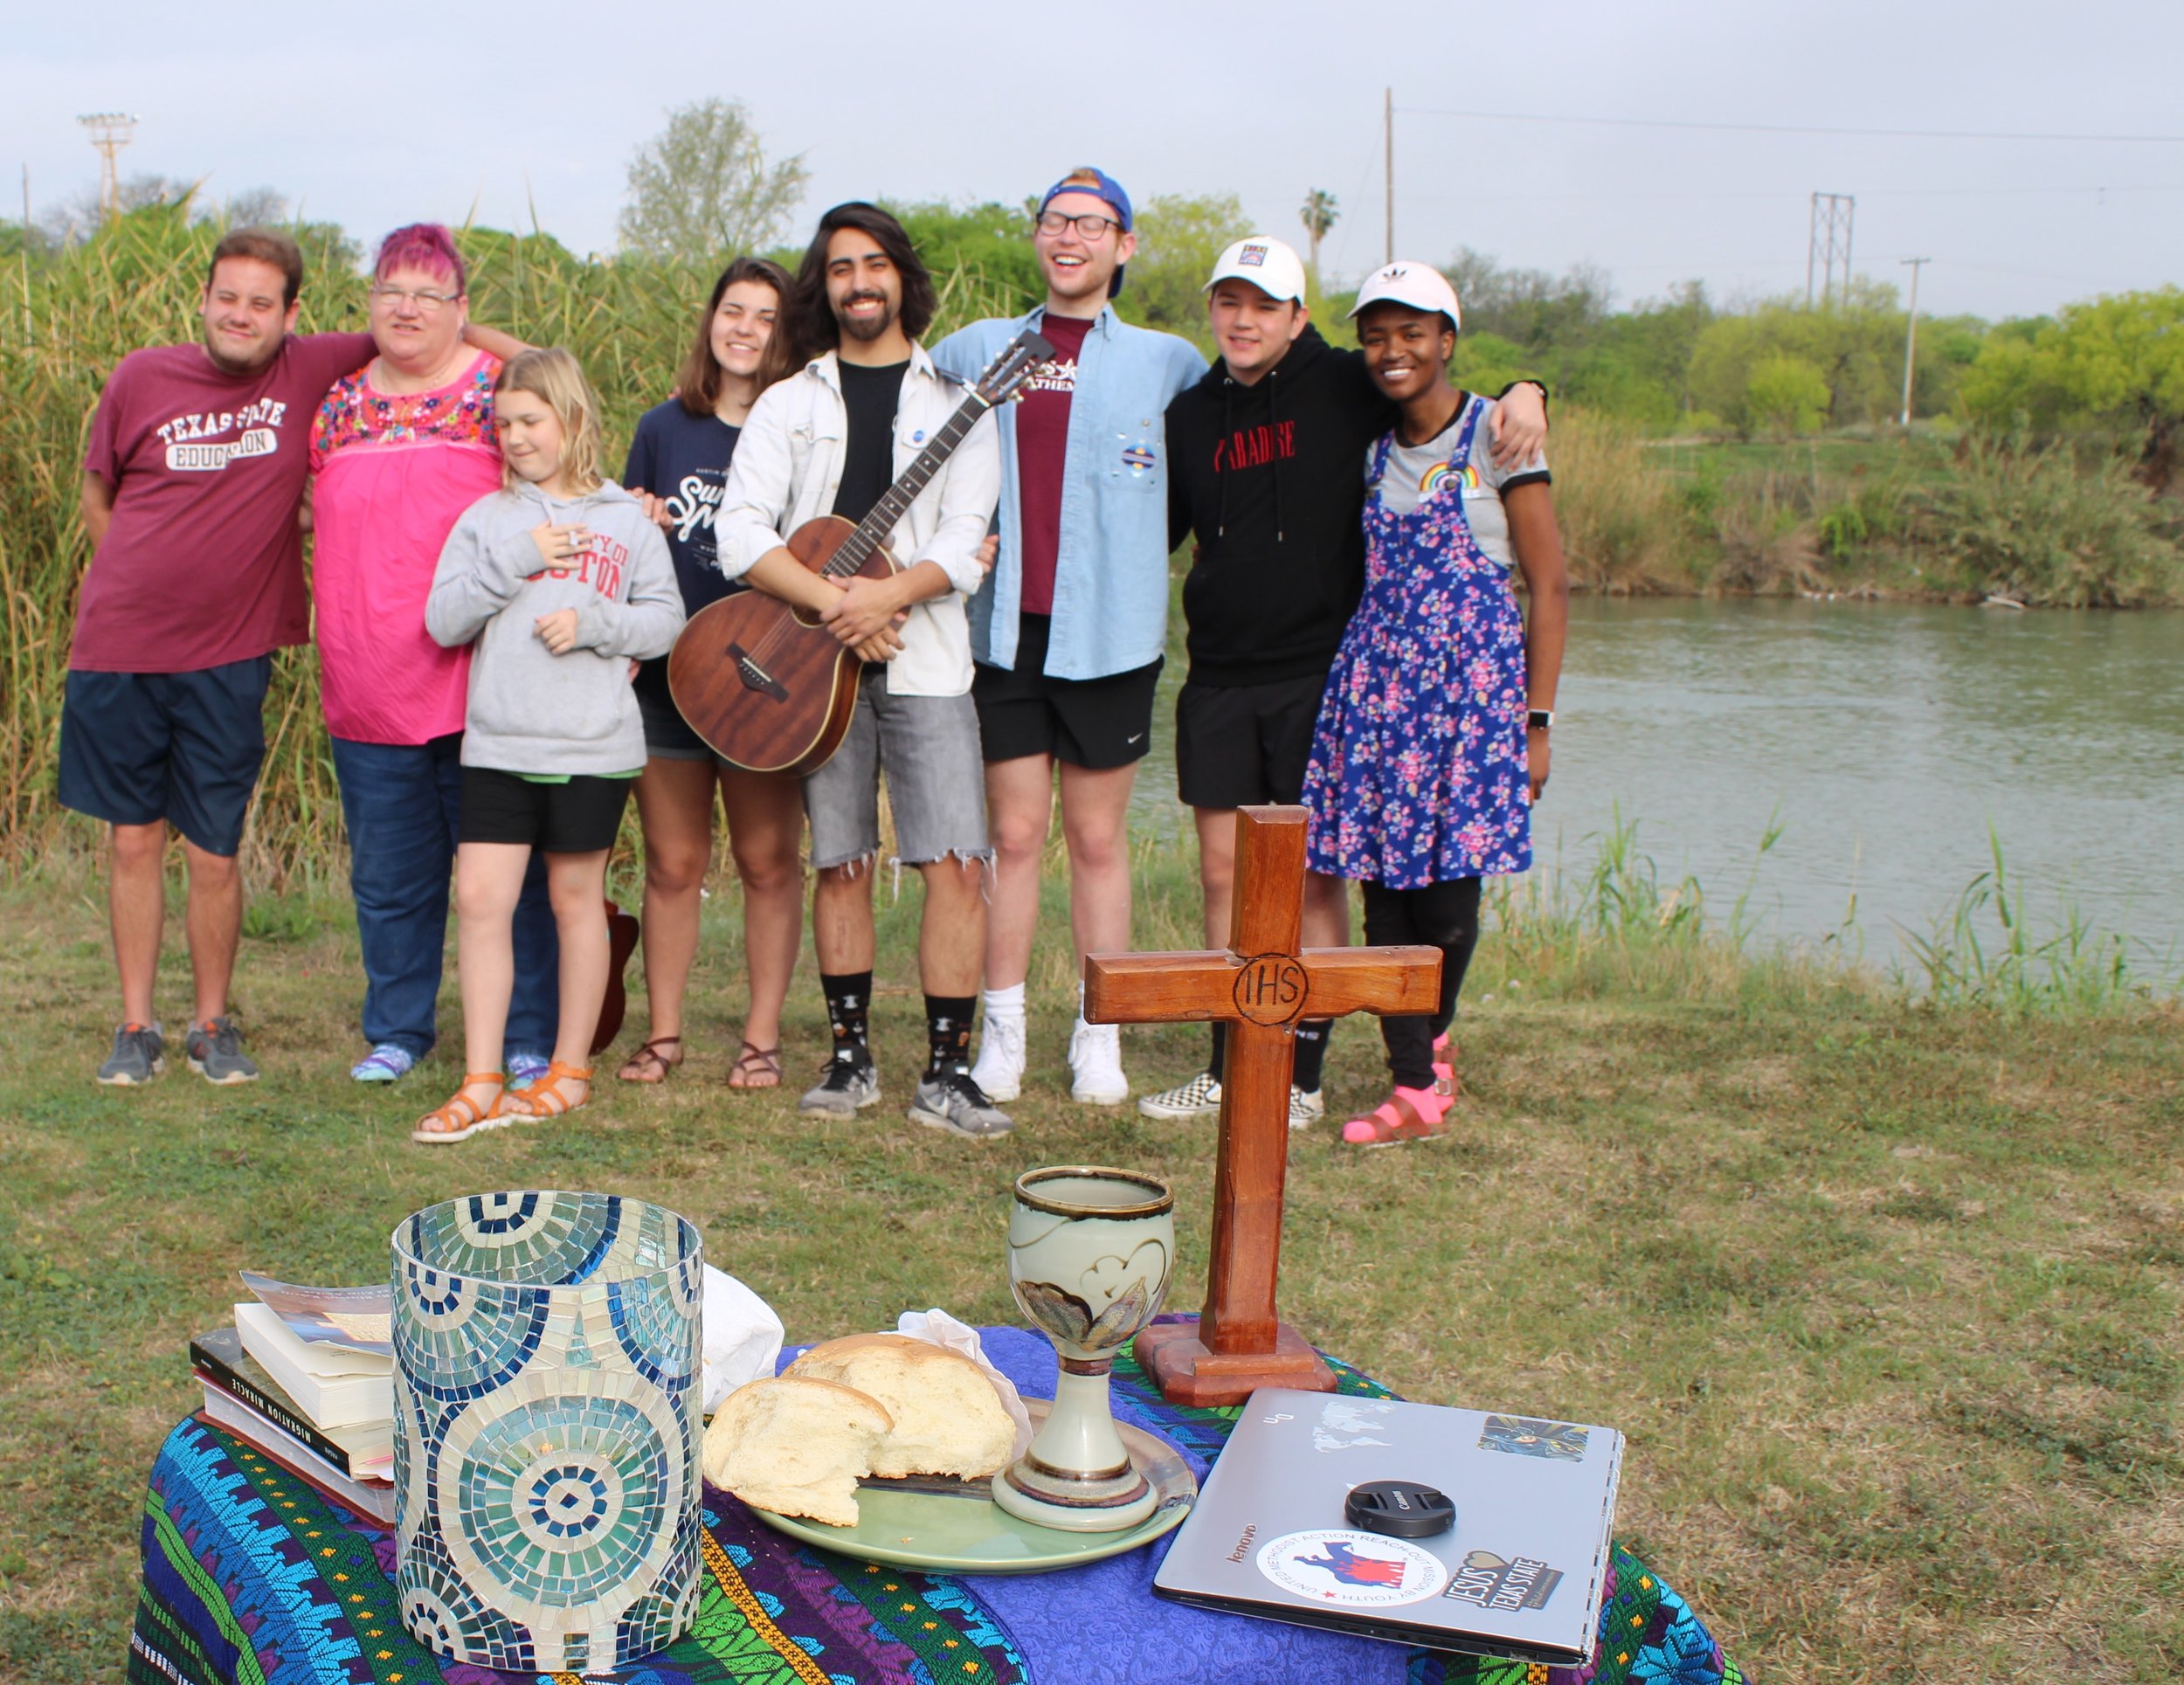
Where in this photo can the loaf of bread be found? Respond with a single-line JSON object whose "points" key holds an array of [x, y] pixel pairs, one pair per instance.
{"points": [[948, 1418], [796, 1445]]}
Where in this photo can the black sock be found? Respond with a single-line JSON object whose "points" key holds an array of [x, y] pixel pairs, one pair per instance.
{"points": [[1311, 1052], [948, 1033], [848, 1008], [1220, 1048]]}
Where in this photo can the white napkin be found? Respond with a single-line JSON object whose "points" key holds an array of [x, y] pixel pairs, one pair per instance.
{"points": [[938, 1328], [742, 1336]]}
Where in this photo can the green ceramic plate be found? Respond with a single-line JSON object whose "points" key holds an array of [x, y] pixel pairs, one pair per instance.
{"points": [[961, 1530]]}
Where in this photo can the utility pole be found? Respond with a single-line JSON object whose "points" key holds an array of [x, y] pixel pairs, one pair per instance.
{"points": [[1910, 336], [1387, 147], [109, 133], [1832, 214]]}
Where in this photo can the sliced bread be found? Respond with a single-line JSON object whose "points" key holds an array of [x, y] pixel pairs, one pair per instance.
{"points": [[796, 1445], [948, 1418]]}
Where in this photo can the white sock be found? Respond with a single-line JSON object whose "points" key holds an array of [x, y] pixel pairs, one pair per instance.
{"points": [[1004, 1002]]}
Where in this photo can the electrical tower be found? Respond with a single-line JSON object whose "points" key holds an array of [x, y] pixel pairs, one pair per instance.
{"points": [[109, 133], [1830, 243]]}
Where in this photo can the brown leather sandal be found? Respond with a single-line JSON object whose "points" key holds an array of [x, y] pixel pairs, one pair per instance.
{"points": [[544, 1098], [648, 1064], [462, 1117], [756, 1067]]}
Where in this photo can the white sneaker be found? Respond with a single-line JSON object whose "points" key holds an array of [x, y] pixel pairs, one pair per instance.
{"points": [[1096, 1065], [1306, 1110], [999, 1069]]}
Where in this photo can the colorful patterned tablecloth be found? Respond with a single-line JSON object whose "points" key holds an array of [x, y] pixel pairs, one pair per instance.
{"points": [[253, 1576]]}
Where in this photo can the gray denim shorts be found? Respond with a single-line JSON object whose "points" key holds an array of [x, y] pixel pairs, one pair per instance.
{"points": [[928, 747]]}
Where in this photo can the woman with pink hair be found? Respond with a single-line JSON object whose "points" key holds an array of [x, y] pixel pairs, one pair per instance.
{"points": [[399, 449]]}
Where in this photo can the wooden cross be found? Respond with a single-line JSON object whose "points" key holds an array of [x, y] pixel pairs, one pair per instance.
{"points": [[1262, 986]]}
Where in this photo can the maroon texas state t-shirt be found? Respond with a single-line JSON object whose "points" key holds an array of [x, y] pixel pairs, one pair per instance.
{"points": [[1043, 439], [202, 563]]}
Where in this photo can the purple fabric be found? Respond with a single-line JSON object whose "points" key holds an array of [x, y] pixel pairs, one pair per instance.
{"points": [[1073, 1613]]}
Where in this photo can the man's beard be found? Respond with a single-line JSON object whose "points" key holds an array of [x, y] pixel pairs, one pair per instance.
{"points": [[865, 328], [228, 365]]}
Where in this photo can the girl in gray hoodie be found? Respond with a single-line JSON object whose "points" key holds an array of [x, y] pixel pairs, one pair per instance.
{"points": [[564, 586]]}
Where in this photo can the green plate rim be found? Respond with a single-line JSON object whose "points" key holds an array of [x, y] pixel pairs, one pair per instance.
{"points": [[1171, 1478]]}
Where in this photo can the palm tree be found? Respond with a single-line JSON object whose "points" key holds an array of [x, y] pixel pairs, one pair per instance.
{"points": [[1319, 215]]}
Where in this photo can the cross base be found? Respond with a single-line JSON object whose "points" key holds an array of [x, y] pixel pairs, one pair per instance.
{"points": [[1188, 1372]]}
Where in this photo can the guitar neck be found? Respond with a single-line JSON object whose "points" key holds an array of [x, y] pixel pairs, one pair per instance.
{"points": [[873, 530]]}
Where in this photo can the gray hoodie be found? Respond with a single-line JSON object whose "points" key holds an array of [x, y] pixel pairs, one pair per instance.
{"points": [[531, 710]]}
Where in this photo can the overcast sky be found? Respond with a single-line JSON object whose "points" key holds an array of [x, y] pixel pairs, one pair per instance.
{"points": [[382, 113]]}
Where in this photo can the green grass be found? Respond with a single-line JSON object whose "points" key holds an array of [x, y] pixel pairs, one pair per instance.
{"points": [[1885, 1295]]}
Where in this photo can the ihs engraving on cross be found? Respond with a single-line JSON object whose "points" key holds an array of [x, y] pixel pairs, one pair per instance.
{"points": [[1271, 989]]}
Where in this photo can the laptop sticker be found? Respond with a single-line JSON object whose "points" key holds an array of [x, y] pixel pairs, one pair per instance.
{"points": [[1333, 1565]]}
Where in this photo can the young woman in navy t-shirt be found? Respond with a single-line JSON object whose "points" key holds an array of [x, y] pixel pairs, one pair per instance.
{"points": [[678, 462]]}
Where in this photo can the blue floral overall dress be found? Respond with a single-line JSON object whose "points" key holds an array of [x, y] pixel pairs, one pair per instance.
{"points": [[1418, 772]]}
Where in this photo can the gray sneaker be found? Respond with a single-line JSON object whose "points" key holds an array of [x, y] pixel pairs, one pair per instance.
{"points": [[847, 1087], [216, 1052], [1200, 1097], [952, 1102], [139, 1055]]}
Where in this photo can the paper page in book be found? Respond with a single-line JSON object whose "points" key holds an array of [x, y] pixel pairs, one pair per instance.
{"points": [[359, 1318]]}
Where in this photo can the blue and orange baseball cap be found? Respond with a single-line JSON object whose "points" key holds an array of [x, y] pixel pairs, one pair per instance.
{"points": [[1101, 185]]}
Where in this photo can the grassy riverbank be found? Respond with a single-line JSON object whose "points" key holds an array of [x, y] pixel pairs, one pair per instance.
{"points": [[1938, 516], [1886, 1295]]}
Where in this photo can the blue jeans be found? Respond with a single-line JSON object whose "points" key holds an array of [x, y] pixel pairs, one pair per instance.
{"points": [[401, 803]]}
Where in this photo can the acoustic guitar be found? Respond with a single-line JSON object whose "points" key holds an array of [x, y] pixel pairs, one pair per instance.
{"points": [[621, 937], [768, 687]]}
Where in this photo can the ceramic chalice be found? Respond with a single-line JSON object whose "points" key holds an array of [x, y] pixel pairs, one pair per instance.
{"points": [[1090, 1252]]}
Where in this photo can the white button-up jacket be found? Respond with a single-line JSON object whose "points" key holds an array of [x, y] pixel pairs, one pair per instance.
{"points": [[788, 468]]}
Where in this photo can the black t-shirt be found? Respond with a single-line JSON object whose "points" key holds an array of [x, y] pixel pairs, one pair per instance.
{"points": [[684, 459], [870, 395]]}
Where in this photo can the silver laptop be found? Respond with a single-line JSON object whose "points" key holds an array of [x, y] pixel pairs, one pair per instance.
{"points": [[1519, 1573]]}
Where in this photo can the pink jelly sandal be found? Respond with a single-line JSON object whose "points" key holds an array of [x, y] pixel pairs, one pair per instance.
{"points": [[1406, 1115]]}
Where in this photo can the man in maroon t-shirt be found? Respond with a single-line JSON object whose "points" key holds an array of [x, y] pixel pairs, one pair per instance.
{"points": [[197, 463]]}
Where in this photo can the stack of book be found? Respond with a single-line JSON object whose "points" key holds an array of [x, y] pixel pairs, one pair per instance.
{"points": [[307, 1375]]}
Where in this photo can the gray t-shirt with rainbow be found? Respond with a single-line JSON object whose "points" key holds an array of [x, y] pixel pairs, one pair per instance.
{"points": [[1417, 472]]}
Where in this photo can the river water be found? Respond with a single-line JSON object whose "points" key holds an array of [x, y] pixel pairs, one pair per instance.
{"points": [[1884, 740]]}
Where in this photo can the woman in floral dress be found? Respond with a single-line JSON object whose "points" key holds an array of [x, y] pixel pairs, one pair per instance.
{"points": [[1432, 741]]}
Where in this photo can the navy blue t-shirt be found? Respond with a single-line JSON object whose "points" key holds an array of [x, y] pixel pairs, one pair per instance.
{"points": [[684, 459]]}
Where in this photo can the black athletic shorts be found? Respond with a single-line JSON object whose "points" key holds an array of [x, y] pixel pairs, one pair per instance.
{"points": [[136, 748], [1094, 723], [580, 817], [1244, 745]]}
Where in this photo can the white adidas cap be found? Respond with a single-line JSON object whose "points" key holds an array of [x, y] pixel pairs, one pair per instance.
{"points": [[1267, 263], [1417, 285]]}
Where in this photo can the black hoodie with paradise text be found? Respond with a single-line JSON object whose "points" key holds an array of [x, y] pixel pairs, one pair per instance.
{"points": [[1270, 478]]}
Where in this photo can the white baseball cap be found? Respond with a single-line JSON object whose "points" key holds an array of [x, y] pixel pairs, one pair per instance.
{"points": [[1417, 285], [1267, 263]]}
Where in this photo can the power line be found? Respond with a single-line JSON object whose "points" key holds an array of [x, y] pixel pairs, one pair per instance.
{"points": [[1777, 194], [1790, 128]]}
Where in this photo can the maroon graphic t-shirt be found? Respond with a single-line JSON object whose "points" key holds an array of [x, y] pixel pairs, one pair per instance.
{"points": [[201, 564], [1043, 439]]}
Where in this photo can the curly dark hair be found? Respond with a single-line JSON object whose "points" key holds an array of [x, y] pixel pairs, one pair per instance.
{"points": [[813, 318]]}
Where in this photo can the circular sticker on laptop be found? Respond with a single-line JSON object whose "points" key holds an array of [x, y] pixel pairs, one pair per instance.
{"points": [[1348, 1570]]}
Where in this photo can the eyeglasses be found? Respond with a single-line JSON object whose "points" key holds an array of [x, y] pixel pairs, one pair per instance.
{"points": [[428, 303], [1090, 228]]}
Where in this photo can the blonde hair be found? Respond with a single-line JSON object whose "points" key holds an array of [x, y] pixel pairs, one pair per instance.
{"points": [[555, 378]]}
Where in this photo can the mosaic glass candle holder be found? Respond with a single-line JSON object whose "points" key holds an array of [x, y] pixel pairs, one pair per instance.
{"points": [[547, 1403]]}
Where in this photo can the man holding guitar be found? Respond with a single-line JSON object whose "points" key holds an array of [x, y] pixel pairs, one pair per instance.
{"points": [[831, 439]]}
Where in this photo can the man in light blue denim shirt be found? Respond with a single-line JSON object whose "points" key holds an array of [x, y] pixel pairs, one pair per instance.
{"points": [[1069, 631]]}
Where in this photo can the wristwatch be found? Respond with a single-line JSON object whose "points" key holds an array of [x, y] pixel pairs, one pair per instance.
{"points": [[1539, 719]]}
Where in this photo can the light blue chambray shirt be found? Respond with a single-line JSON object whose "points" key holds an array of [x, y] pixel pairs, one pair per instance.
{"points": [[1110, 611]]}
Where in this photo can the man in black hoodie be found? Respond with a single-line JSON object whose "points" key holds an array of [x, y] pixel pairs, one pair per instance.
{"points": [[1267, 456]]}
